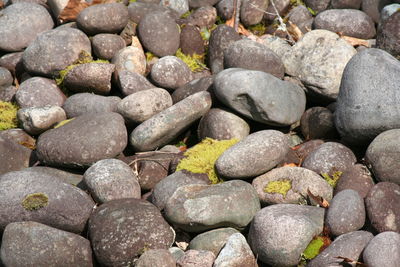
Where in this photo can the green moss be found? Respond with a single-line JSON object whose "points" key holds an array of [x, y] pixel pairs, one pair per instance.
{"points": [[8, 115], [35, 201], [313, 12], [195, 62], [258, 29], [279, 187], [61, 123], [314, 248], [132, 1], [187, 14], [202, 157], [149, 56], [332, 180]]}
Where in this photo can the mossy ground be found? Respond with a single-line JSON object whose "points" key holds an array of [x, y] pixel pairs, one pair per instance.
{"points": [[8, 115], [35, 201], [279, 187]]}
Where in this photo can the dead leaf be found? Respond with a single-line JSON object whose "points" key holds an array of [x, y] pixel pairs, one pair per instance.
{"points": [[294, 31], [1, 4], [289, 165], [352, 262], [74, 7], [182, 245], [319, 200]]}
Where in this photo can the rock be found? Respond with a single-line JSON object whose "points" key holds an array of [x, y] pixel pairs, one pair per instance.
{"points": [[137, 10], [281, 6], [180, 6], [103, 18], [18, 136], [121, 230], [388, 10], [13, 156], [39, 92], [383, 250], [280, 233], [192, 87], [196, 258], [44, 57], [7, 94], [169, 123], [204, 16], [248, 54], [64, 176], [6, 79], [222, 125], [23, 240], [349, 22], [317, 5], [106, 45], [364, 89], [353, 4], [383, 207], [304, 149], [348, 245], [176, 252], [36, 120], [290, 185], [191, 41], [225, 9], [201, 3], [20, 23], [110, 179], [83, 103], [373, 8], [263, 149], [236, 253], [317, 122], [44, 199], [260, 96], [159, 34], [131, 82], [75, 145], [213, 240], [356, 177], [302, 17], [252, 11], [156, 257], [130, 58], [170, 72], [276, 44], [388, 37], [90, 77]]}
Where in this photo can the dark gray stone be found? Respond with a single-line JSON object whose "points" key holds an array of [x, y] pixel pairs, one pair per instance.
{"points": [[18, 136], [64, 176], [235, 253], [137, 10], [317, 122], [353, 4], [13, 156], [225, 9], [7, 94], [200, 3], [383, 250], [105, 45], [156, 257], [83, 103], [192, 87], [12, 62], [302, 17], [213, 240], [356, 177], [191, 41], [131, 82], [388, 10], [317, 5], [388, 37], [6, 79], [251, 11], [204, 16], [170, 72], [281, 5]]}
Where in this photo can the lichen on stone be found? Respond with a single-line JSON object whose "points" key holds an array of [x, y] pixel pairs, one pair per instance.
{"points": [[8, 115], [201, 158], [195, 62], [332, 179], [258, 29], [313, 248], [61, 123], [35, 201], [279, 187]]}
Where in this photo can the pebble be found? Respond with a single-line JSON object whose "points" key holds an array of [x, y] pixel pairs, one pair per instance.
{"points": [[170, 72], [251, 11], [196, 258], [383, 250], [13, 156], [388, 35], [213, 240], [106, 45], [156, 257], [192, 87], [131, 82], [130, 58], [235, 253]]}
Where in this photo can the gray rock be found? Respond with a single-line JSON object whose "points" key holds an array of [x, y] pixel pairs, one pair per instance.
{"points": [[348, 245], [300, 180], [83, 141], [213, 240], [13, 156], [349, 22], [356, 177], [388, 10], [38, 92], [204, 16], [225, 9], [196, 258], [302, 17], [317, 122], [137, 10], [156, 257], [388, 37], [121, 230], [370, 83], [43, 198], [276, 44], [106, 45], [130, 58], [6, 79], [353, 4], [7, 94], [280, 233], [170, 72], [192, 87], [373, 7], [222, 125], [83, 103], [103, 18], [191, 41], [20, 23], [251, 11], [12, 62], [64, 176], [254, 155], [169, 123], [383, 250], [260, 96], [22, 241], [131, 82], [44, 57], [36, 120], [248, 54], [235, 253], [317, 5], [176, 252], [180, 6]]}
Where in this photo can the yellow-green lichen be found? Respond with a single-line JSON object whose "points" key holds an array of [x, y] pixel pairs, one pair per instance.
{"points": [[332, 179], [149, 56], [279, 187], [195, 62], [258, 29], [201, 158], [61, 123], [313, 248], [186, 14], [35, 201], [8, 115]]}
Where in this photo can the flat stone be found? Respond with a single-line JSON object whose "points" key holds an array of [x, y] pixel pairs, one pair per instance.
{"points": [[213, 240], [383, 250]]}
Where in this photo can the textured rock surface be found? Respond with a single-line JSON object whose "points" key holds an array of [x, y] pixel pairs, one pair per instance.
{"points": [[355, 177], [156, 257], [383, 250], [13, 156], [105, 45], [213, 240], [235, 253], [170, 72], [388, 37], [130, 58], [131, 82]]}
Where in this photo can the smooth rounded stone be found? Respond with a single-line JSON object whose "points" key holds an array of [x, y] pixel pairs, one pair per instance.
{"points": [[329, 157], [13, 156], [6, 79], [156, 257], [248, 54], [83, 103], [388, 36], [220, 39], [282, 6], [356, 177], [110, 179], [302, 17], [12, 62], [389, 10], [137, 10], [23, 240], [254, 155], [131, 82], [349, 22], [304, 149], [317, 122], [170, 72], [317, 5], [90, 77], [348, 245], [192, 87], [106, 45], [235, 253], [222, 125], [159, 34], [7, 94], [383, 206], [180, 6], [196, 258], [353, 4], [301, 181], [373, 8], [19, 136], [260, 96], [64, 176], [191, 41], [369, 85], [39, 91], [142, 105], [169, 123], [201, 3], [83, 141], [43, 198], [130, 58], [318, 60], [383, 250], [252, 11], [176, 252], [204, 16], [121, 230], [225, 9], [103, 18], [36, 120], [20, 23], [213, 240], [346, 212], [280, 233]]}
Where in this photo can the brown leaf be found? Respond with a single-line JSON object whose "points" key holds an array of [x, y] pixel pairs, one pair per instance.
{"points": [[356, 41], [74, 7], [353, 262], [1, 4], [294, 31], [320, 200]]}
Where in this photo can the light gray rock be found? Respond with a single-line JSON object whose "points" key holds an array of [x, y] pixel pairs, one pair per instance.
{"points": [[388, 10], [170, 72], [180, 6], [317, 5], [213, 240], [6, 79], [276, 44], [156, 257], [130, 58], [383, 250], [131, 82], [106, 45], [235, 253]]}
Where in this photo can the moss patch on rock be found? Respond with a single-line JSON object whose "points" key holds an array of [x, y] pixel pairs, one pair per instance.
{"points": [[332, 179], [35, 201], [279, 187], [195, 62], [8, 115]]}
